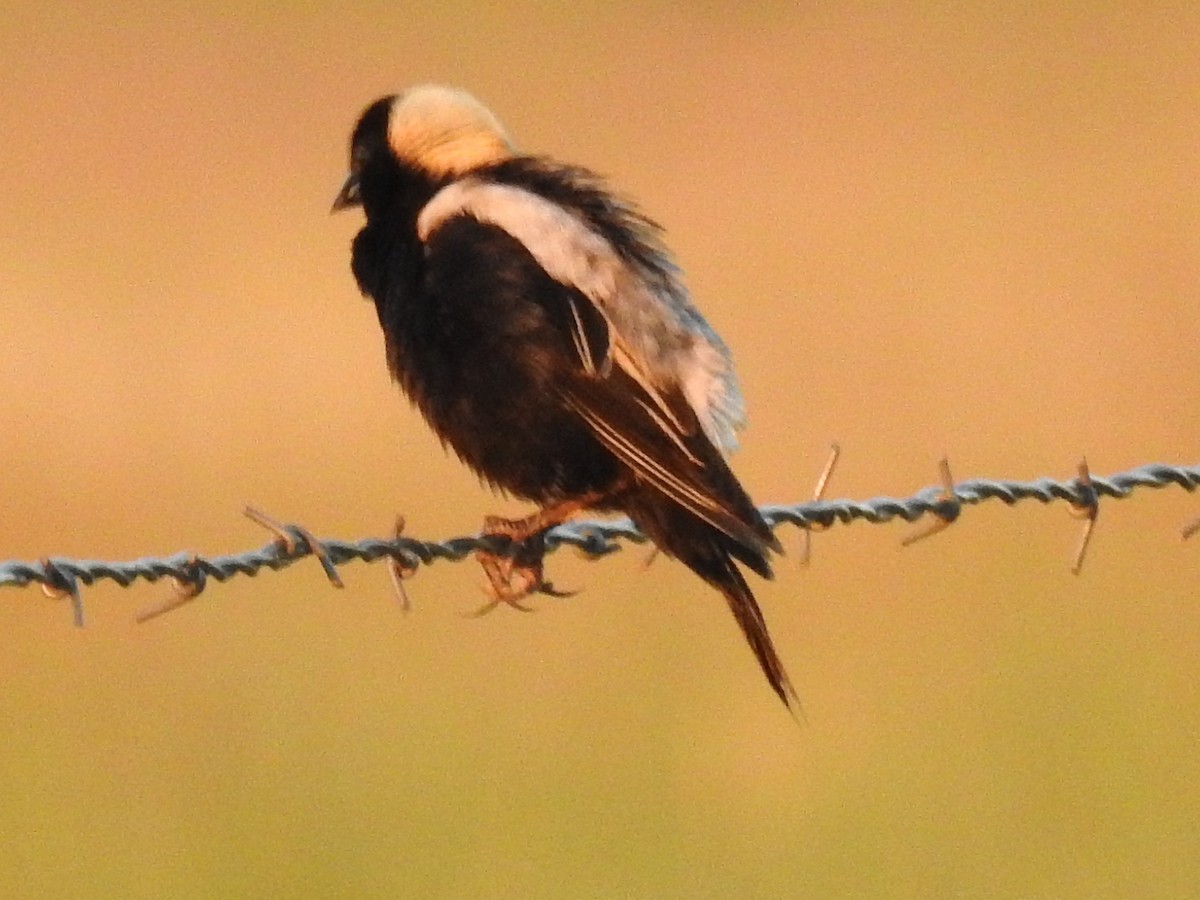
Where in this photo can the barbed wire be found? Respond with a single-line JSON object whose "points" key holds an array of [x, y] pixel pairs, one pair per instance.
{"points": [[190, 573]]}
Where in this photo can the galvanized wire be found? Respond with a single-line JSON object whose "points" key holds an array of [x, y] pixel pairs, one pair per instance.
{"points": [[191, 573]]}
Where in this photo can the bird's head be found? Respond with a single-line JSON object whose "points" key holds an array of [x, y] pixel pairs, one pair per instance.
{"points": [[429, 131]]}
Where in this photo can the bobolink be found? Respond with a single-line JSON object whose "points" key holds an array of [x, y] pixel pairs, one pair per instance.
{"points": [[541, 327]]}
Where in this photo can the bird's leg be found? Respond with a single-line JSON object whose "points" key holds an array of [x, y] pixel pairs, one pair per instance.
{"points": [[511, 578]]}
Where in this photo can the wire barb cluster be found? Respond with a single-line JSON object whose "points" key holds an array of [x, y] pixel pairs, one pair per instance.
{"points": [[190, 573]]}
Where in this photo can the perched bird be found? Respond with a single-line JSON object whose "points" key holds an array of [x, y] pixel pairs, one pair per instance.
{"points": [[541, 327]]}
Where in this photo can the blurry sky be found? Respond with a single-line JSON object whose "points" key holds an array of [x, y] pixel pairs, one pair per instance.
{"points": [[923, 229]]}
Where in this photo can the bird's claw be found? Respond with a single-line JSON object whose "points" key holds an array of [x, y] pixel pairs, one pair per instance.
{"points": [[550, 590], [509, 581], [516, 575]]}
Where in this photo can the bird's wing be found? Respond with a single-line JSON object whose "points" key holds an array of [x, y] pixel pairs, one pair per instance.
{"points": [[682, 466], [580, 357], [640, 321]]}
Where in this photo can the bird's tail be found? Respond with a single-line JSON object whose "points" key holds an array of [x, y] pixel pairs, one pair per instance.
{"points": [[710, 553]]}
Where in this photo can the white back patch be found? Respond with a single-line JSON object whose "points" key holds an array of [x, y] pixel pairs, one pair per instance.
{"points": [[657, 336], [565, 247]]}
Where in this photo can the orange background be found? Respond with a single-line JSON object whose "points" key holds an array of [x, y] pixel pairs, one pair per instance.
{"points": [[940, 229]]}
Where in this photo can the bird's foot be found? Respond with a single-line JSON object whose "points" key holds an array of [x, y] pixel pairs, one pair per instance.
{"points": [[516, 576]]}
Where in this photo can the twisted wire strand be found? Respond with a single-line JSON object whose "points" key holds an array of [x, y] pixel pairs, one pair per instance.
{"points": [[191, 573]]}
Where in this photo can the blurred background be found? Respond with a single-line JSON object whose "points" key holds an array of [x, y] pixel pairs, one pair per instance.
{"points": [[940, 229]]}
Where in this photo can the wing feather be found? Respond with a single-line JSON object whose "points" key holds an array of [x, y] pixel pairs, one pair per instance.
{"points": [[639, 369], [669, 463], [651, 327]]}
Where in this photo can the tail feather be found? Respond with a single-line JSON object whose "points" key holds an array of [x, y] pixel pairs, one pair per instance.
{"points": [[710, 553], [749, 617]]}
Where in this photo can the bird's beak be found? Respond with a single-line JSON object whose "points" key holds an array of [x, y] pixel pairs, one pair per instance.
{"points": [[349, 194]]}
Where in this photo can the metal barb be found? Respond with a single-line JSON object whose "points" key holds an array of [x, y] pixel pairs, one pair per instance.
{"points": [[60, 584], [398, 571], [818, 494], [186, 586], [287, 543], [945, 511], [1087, 507], [1189, 529], [286, 536]]}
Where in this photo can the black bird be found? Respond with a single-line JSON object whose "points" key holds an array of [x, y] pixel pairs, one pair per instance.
{"points": [[541, 327]]}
